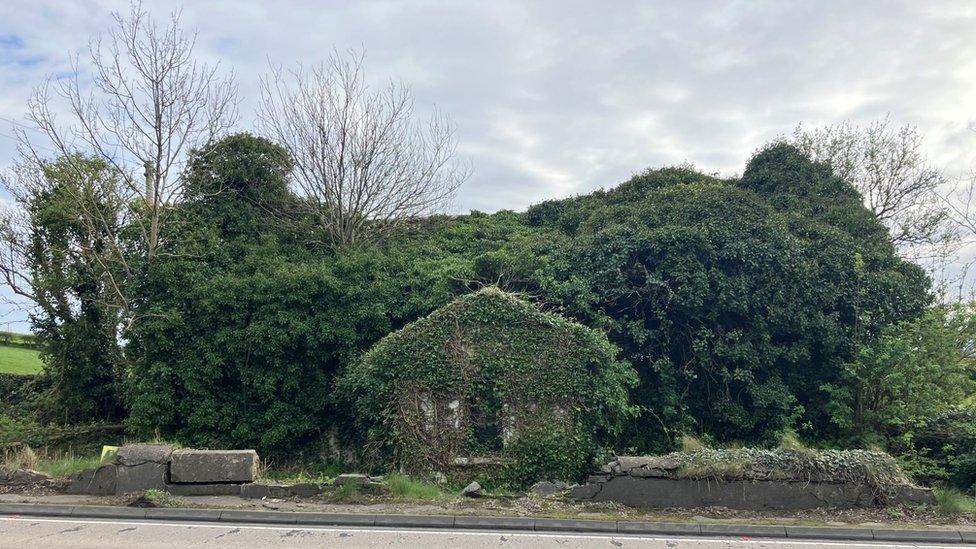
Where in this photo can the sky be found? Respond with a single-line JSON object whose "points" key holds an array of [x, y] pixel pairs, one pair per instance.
{"points": [[556, 98]]}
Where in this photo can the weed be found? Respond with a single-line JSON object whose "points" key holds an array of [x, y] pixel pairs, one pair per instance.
{"points": [[161, 498], [954, 501], [347, 492], [790, 441], [24, 458], [691, 444], [67, 465], [402, 486]]}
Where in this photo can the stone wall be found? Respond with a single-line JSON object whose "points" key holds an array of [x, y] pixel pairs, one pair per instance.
{"points": [[642, 486]]}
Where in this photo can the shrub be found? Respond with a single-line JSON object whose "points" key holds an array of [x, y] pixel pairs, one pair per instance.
{"points": [[947, 445]]}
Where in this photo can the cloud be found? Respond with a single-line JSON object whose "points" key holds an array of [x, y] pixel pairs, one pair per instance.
{"points": [[555, 98]]}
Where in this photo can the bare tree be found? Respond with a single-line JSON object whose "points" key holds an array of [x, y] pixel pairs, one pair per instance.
{"points": [[140, 104], [361, 160], [888, 167]]}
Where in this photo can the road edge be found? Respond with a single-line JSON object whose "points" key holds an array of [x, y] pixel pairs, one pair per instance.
{"points": [[524, 524]]}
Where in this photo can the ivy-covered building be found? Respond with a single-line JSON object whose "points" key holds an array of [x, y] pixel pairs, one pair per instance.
{"points": [[491, 379]]}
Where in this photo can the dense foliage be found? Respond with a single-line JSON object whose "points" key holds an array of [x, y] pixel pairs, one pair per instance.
{"points": [[735, 301], [489, 374], [746, 307], [75, 328]]}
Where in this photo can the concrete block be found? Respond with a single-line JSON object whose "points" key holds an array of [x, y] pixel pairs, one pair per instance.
{"points": [[212, 466], [94, 482], [758, 495], [137, 454], [148, 475]]}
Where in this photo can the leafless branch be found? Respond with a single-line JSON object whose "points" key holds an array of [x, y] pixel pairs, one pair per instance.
{"points": [[140, 103], [361, 159]]}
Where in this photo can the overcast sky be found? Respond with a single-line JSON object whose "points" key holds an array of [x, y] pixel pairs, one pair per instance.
{"points": [[557, 98]]}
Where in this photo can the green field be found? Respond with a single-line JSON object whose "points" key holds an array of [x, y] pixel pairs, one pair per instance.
{"points": [[19, 360]]}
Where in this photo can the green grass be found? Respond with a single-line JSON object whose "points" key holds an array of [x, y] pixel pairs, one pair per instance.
{"points": [[19, 360], [954, 501], [161, 498], [68, 465], [402, 486]]}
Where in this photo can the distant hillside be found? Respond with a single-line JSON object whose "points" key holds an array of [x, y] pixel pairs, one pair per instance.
{"points": [[18, 340]]}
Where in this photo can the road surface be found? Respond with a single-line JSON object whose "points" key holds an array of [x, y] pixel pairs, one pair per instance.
{"points": [[29, 532]]}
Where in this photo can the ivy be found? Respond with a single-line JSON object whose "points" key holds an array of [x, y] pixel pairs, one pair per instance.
{"points": [[490, 375]]}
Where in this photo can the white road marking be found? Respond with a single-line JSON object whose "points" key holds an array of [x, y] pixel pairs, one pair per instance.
{"points": [[492, 533]]}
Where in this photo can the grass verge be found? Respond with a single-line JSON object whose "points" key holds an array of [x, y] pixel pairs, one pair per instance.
{"points": [[56, 464], [954, 501], [404, 487], [19, 360]]}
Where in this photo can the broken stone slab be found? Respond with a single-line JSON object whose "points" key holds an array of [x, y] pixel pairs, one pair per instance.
{"points": [[546, 488], [626, 463], [100, 481], [138, 454], [261, 491], [213, 466], [586, 491], [148, 475], [913, 494]]}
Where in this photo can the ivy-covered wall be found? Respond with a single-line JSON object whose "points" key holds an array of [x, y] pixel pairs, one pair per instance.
{"points": [[491, 376]]}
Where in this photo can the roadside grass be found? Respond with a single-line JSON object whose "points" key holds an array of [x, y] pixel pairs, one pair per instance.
{"points": [[955, 502], [162, 498], [19, 360], [56, 464], [67, 465], [404, 487], [347, 493]]}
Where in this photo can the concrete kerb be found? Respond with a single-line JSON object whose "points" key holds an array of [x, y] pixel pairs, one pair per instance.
{"points": [[486, 523]]}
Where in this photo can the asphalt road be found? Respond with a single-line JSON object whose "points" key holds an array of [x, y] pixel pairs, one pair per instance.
{"points": [[28, 532]]}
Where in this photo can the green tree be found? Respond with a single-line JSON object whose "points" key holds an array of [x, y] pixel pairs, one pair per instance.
{"points": [[913, 371], [57, 253]]}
